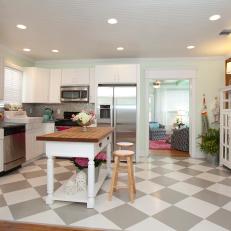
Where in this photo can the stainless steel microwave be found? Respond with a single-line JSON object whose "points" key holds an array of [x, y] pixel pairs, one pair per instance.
{"points": [[74, 93]]}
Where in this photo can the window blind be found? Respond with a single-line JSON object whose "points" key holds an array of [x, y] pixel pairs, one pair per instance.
{"points": [[12, 85]]}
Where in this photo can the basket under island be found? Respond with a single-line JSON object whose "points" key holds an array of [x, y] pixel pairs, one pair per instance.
{"points": [[74, 142]]}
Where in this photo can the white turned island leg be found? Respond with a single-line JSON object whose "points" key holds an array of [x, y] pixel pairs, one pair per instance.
{"points": [[91, 183], [50, 180], [109, 159]]}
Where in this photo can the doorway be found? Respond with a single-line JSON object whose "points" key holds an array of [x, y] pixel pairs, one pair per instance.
{"points": [[152, 74], [169, 117]]}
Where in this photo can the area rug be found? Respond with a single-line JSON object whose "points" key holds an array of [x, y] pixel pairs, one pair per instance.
{"points": [[159, 145]]}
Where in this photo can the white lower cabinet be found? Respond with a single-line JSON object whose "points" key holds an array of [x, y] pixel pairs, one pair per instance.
{"points": [[35, 148]]}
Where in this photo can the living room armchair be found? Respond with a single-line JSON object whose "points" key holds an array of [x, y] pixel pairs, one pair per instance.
{"points": [[157, 131], [180, 139]]}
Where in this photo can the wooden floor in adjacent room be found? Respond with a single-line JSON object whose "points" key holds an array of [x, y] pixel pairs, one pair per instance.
{"points": [[15, 226], [169, 152]]}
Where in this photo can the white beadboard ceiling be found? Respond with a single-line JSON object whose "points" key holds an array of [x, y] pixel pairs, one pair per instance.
{"points": [[146, 28]]}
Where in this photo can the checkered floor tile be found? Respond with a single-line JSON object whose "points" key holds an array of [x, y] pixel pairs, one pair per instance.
{"points": [[172, 194]]}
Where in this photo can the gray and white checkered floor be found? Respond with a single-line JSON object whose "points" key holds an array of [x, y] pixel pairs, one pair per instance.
{"points": [[172, 194]]}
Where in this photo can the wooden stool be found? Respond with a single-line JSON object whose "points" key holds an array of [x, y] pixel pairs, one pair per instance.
{"points": [[118, 155], [124, 144]]}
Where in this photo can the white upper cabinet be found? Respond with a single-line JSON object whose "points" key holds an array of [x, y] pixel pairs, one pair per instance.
{"points": [[92, 86], [106, 73], [1, 78], [55, 83], [127, 73], [36, 85], [77, 76], [124, 73]]}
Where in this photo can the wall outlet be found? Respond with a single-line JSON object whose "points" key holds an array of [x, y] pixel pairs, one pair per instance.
{"points": [[58, 111], [30, 110]]}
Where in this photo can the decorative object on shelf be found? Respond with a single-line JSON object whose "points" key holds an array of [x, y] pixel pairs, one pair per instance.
{"points": [[1, 116], [82, 165], [204, 118], [84, 119], [81, 180], [216, 110], [228, 68], [48, 115], [210, 145], [70, 187], [228, 72]]}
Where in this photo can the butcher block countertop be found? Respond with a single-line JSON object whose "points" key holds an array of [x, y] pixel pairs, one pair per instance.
{"points": [[75, 134]]}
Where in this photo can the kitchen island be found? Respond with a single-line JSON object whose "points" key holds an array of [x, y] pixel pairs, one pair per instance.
{"points": [[74, 142]]}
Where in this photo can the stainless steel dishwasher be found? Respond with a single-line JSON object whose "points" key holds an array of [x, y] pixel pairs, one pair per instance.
{"points": [[14, 146]]}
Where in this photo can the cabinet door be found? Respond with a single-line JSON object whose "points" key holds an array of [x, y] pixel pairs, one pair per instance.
{"points": [[35, 85], [77, 76], [28, 93], [1, 78], [92, 86], [55, 83], [127, 73], [41, 87], [105, 74], [30, 145]]}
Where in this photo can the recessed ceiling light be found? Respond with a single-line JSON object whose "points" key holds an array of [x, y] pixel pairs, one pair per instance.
{"points": [[26, 49], [20, 26], [120, 48], [55, 51], [214, 17], [112, 21], [190, 47]]}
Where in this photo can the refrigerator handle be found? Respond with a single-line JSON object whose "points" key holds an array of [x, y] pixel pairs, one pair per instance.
{"points": [[112, 115], [114, 119]]}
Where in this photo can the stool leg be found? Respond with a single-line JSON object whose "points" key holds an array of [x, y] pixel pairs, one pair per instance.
{"points": [[116, 174], [130, 180], [133, 177], [113, 178]]}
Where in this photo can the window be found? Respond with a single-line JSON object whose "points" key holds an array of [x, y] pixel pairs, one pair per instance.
{"points": [[12, 85]]}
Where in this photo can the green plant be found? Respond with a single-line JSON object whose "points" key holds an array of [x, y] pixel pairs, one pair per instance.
{"points": [[210, 142]]}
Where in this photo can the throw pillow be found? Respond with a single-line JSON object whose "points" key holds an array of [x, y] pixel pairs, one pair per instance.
{"points": [[154, 125]]}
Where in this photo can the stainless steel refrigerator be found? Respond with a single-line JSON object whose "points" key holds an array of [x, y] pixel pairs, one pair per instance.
{"points": [[116, 107]]}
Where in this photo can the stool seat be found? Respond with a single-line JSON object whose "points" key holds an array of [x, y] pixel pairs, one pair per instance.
{"points": [[123, 153], [125, 144]]}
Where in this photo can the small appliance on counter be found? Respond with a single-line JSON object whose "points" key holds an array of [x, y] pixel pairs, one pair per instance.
{"points": [[48, 115]]}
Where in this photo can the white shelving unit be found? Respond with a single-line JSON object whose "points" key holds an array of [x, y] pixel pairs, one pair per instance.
{"points": [[225, 127]]}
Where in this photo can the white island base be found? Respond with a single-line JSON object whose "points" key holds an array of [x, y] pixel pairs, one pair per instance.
{"points": [[77, 149]]}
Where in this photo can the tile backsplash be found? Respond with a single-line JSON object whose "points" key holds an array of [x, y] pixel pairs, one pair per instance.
{"points": [[37, 109]]}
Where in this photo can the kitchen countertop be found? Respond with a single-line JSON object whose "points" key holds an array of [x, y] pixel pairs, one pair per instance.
{"points": [[75, 134]]}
